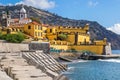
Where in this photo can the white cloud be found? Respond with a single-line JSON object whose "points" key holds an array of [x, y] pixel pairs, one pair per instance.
{"points": [[9, 4], [115, 28], [92, 4], [42, 4]]}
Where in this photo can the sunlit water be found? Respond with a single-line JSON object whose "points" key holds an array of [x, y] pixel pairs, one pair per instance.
{"points": [[108, 69]]}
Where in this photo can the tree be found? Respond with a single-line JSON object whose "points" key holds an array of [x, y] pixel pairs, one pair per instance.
{"points": [[35, 19], [62, 36]]}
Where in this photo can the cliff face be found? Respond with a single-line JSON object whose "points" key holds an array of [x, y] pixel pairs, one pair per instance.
{"points": [[97, 31]]}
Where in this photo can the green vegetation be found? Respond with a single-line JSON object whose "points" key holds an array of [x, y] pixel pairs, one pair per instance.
{"points": [[62, 36], [35, 19], [14, 38]]}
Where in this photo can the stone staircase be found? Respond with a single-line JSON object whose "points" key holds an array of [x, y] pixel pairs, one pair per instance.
{"points": [[43, 61]]}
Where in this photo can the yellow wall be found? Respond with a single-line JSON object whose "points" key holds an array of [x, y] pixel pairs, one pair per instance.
{"points": [[101, 42], [36, 31], [51, 33], [52, 37], [29, 31], [71, 29], [51, 30], [44, 31], [93, 48], [82, 38], [71, 38], [63, 47]]}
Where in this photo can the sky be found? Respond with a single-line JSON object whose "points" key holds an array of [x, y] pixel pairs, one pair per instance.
{"points": [[105, 12]]}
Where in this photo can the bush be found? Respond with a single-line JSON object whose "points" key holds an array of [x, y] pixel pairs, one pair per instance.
{"points": [[73, 50], [62, 36], [0, 35], [14, 38], [35, 19]]}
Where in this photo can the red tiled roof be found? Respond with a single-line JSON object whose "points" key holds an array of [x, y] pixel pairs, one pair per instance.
{"points": [[26, 19], [16, 25], [16, 19], [36, 23]]}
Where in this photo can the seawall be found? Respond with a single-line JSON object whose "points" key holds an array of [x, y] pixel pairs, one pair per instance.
{"points": [[12, 47]]}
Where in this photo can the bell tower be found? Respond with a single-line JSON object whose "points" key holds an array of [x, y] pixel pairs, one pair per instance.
{"points": [[6, 18], [23, 13]]}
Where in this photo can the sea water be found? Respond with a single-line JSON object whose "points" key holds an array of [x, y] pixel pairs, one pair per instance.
{"points": [[108, 69]]}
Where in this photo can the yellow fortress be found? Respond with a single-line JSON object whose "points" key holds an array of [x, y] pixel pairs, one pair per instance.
{"points": [[78, 38], [60, 37]]}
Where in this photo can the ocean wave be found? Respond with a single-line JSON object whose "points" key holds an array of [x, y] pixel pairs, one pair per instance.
{"points": [[77, 61], [67, 72], [74, 61], [111, 60], [70, 68]]}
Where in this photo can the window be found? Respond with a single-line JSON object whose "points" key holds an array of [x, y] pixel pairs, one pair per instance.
{"points": [[50, 30], [21, 16], [29, 27], [35, 33], [35, 27], [45, 31], [40, 28], [39, 34]]}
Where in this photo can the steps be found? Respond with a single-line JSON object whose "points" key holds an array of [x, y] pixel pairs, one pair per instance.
{"points": [[47, 61]]}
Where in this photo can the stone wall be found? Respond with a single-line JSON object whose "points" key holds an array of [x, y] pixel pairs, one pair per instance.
{"points": [[15, 47], [12, 47], [45, 46]]}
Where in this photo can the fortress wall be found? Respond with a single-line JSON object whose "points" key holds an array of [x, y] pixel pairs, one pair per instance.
{"points": [[99, 49]]}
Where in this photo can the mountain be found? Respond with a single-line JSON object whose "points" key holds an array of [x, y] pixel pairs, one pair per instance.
{"points": [[97, 31]]}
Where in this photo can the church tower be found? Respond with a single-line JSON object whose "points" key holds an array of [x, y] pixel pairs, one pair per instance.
{"points": [[23, 13], [6, 19]]}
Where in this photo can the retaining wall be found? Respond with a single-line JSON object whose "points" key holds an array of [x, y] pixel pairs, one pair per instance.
{"points": [[12, 47]]}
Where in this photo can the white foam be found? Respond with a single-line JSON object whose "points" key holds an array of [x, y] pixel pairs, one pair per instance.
{"points": [[111, 60], [70, 68], [74, 61], [67, 73], [77, 61]]}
